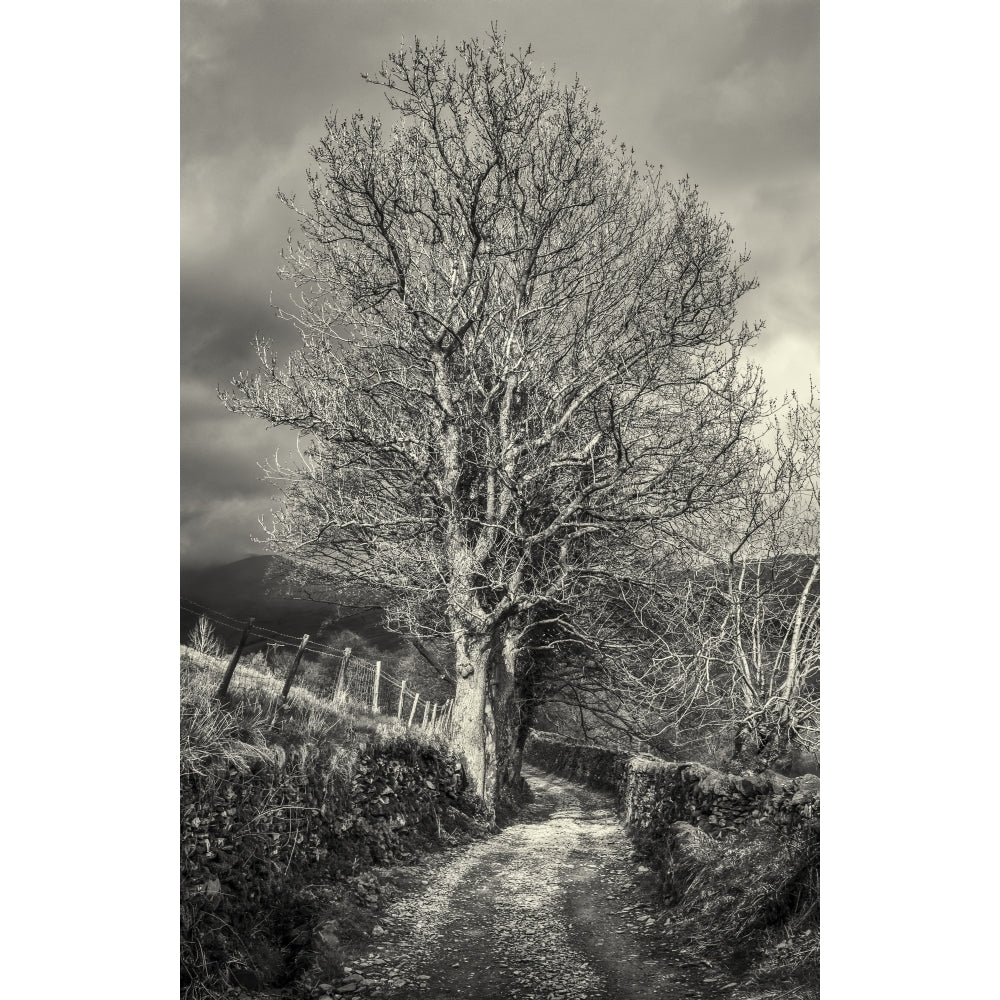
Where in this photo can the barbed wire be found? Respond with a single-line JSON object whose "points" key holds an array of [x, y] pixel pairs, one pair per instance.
{"points": [[355, 662], [267, 631], [196, 607], [263, 631]]}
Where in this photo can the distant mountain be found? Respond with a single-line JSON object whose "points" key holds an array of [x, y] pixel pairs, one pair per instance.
{"points": [[786, 574], [260, 586], [239, 585]]}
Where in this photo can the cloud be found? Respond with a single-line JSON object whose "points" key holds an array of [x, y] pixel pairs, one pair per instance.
{"points": [[219, 532], [724, 90], [222, 489]]}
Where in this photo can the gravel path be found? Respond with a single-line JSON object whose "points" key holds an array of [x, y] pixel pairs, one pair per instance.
{"points": [[552, 908]]}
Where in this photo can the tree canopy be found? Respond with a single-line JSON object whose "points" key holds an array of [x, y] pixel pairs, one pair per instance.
{"points": [[521, 388]]}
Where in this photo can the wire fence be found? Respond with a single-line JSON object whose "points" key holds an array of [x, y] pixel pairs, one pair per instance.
{"points": [[349, 681]]}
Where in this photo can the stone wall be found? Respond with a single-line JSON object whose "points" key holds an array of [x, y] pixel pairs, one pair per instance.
{"points": [[653, 794], [253, 833], [596, 766]]}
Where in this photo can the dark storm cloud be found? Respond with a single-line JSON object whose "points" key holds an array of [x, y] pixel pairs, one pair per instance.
{"points": [[223, 493], [221, 325], [723, 90]]}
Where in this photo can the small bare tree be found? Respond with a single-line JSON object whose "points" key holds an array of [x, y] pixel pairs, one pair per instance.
{"points": [[765, 630], [204, 639]]}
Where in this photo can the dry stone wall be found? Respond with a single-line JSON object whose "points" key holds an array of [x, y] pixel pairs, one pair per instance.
{"points": [[594, 765], [653, 794], [251, 833], [279, 810]]}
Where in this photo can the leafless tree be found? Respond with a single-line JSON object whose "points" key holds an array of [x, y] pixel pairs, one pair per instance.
{"points": [[520, 364], [758, 648], [204, 639], [729, 644]]}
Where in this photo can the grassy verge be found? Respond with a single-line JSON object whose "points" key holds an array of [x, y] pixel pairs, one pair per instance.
{"points": [[749, 901]]}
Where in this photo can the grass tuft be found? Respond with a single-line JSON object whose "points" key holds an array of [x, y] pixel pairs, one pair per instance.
{"points": [[254, 727], [752, 899]]}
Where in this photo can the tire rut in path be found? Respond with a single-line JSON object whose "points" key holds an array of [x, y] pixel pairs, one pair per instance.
{"points": [[551, 908]]}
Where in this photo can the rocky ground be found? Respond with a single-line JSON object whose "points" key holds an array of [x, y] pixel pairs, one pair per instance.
{"points": [[555, 907]]}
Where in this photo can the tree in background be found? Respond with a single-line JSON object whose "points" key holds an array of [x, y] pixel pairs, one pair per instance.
{"points": [[204, 639], [520, 379], [719, 659], [755, 634]]}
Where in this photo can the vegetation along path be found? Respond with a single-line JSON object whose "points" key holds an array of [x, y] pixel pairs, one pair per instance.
{"points": [[555, 906]]}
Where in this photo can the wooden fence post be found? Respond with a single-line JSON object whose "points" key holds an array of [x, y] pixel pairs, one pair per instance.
{"points": [[402, 695], [378, 675], [294, 667], [231, 669], [434, 716], [342, 673], [447, 713], [427, 705], [413, 709]]}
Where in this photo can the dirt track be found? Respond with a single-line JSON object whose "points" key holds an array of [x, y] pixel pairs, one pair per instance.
{"points": [[553, 908]]}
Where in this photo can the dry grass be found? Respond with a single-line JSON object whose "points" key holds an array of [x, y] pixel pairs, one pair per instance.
{"points": [[755, 899], [254, 726]]}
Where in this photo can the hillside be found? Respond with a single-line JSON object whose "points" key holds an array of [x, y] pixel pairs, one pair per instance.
{"points": [[260, 586]]}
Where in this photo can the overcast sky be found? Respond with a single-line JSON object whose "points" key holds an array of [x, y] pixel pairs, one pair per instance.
{"points": [[726, 91]]}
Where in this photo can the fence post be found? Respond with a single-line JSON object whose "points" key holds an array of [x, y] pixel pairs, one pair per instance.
{"points": [[231, 669], [413, 709], [342, 673], [427, 705], [294, 667], [447, 713], [434, 716], [402, 694], [378, 675]]}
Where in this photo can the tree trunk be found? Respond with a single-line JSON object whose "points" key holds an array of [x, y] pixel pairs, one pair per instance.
{"points": [[472, 664], [486, 720], [523, 731], [506, 720]]}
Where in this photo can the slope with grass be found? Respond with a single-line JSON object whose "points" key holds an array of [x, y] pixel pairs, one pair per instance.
{"points": [[282, 803]]}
